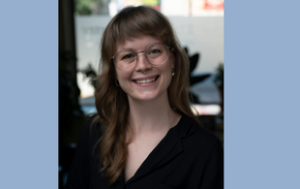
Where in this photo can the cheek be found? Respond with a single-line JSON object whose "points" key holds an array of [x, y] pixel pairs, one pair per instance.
{"points": [[167, 68], [123, 77], [120, 75]]}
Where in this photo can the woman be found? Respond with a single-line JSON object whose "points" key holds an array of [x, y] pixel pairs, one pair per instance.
{"points": [[149, 137]]}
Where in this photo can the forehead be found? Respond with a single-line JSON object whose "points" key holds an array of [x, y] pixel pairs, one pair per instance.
{"points": [[138, 43]]}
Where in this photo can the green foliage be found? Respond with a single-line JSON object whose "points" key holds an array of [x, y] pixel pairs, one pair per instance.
{"points": [[86, 7], [83, 7]]}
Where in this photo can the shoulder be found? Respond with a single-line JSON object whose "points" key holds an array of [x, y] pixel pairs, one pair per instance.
{"points": [[85, 161], [205, 135], [198, 139], [92, 129], [188, 127]]}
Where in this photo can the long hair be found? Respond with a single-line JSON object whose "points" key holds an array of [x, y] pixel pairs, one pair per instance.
{"points": [[111, 101]]}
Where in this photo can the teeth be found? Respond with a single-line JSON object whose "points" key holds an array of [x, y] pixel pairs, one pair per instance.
{"points": [[145, 80]]}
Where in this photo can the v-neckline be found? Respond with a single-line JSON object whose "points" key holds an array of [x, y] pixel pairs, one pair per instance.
{"points": [[162, 141], [146, 157]]}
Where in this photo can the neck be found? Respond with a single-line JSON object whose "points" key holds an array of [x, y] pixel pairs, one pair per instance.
{"points": [[151, 116]]}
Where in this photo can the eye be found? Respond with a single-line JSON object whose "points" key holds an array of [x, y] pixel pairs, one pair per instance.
{"points": [[127, 56], [155, 51]]}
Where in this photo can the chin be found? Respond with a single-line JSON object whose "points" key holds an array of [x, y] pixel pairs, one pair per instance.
{"points": [[149, 96], [143, 98]]}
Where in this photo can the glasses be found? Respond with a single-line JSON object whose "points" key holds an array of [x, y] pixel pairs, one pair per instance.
{"points": [[156, 54]]}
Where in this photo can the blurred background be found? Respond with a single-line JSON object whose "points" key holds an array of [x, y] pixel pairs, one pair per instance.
{"points": [[199, 26]]}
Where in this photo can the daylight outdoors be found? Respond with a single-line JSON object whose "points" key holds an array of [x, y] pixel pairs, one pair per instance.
{"points": [[199, 27]]}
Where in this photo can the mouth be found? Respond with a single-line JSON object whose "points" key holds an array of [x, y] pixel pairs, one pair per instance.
{"points": [[146, 80]]}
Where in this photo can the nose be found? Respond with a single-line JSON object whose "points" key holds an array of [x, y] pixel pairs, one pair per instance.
{"points": [[142, 64]]}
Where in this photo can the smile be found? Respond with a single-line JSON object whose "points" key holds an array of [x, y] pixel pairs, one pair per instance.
{"points": [[143, 81]]}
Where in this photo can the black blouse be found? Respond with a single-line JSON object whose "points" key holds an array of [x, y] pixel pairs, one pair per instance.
{"points": [[188, 157]]}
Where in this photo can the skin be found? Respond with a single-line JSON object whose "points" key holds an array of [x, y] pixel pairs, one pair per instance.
{"points": [[150, 116], [144, 92]]}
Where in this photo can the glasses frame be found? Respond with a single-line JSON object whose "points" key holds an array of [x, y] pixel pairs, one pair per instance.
{"points": [[168, 54]]}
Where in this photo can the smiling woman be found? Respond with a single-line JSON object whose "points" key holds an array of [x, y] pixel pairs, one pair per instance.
{"points": [[144, 134], [149, 75]]}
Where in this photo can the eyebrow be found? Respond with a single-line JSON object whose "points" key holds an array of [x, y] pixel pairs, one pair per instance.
{"points": [[142, 50]]}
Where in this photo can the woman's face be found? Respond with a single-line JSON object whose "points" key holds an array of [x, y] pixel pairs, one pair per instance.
{"points": [[144, 81]]}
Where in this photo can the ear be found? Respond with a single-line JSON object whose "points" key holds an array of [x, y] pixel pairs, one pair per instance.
{"points": [[172, 60], [116, 74]]}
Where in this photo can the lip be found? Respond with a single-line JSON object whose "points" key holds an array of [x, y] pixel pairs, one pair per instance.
{"points": [[147, 77], [144, 78]]}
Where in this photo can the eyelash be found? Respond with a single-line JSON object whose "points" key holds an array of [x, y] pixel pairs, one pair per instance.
{"points": [[156, 51], [124, 57]]}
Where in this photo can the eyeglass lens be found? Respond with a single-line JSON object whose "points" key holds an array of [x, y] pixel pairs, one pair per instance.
{"points": [[156, 54]]}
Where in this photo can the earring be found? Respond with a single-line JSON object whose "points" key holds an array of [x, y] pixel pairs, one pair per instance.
{"points": [[173, 73], [117, 83]]}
